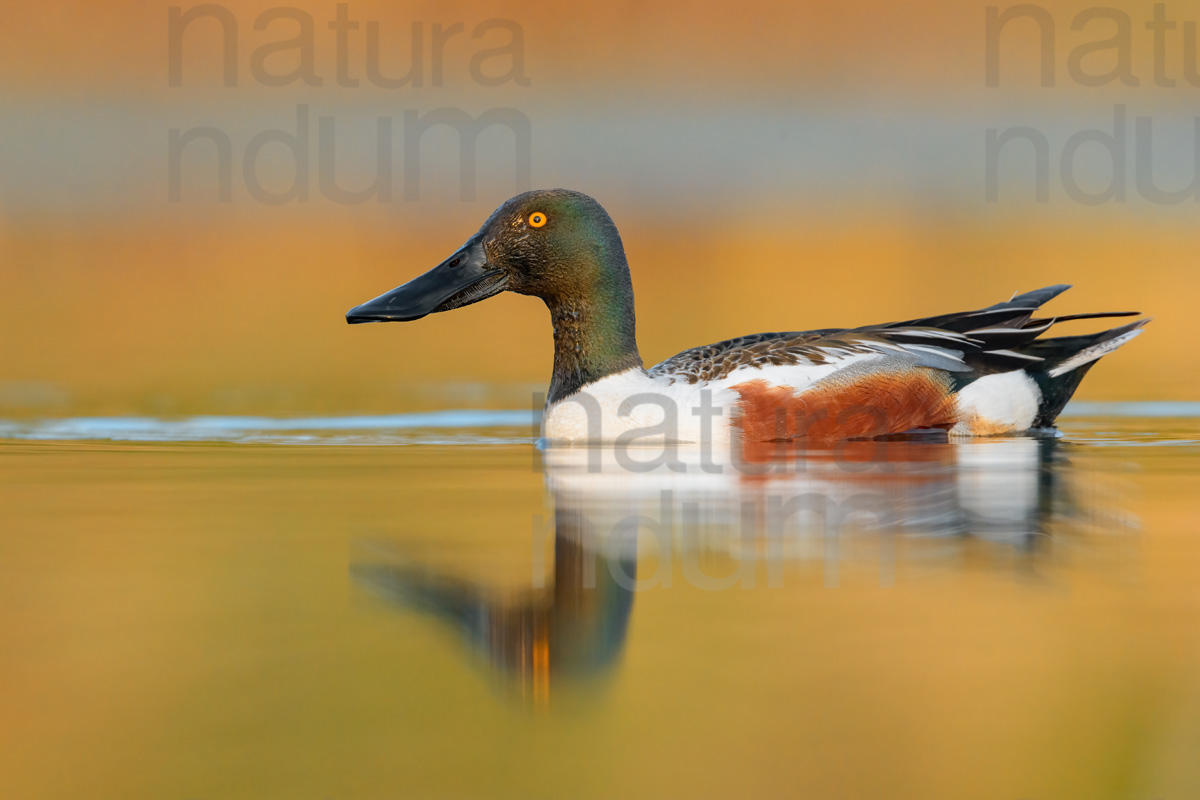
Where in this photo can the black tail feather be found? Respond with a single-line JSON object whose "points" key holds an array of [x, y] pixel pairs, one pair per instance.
{"points": [[1066, 359], [1093, 315], [1034, 299]]}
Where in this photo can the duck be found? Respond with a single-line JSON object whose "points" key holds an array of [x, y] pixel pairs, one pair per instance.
{"points": [[986, 372]]}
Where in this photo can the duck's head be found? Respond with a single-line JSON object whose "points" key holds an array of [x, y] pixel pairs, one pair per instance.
{"points": [[556, 244]]}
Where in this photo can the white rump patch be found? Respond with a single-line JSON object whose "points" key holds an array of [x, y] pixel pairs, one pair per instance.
{"points": [[1003, 403]]}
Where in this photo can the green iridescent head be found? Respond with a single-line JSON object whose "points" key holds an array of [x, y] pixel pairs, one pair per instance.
{"points": [[556, 244]]}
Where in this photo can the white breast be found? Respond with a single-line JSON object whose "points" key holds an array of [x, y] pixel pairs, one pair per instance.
{"points": [[637, 408]]}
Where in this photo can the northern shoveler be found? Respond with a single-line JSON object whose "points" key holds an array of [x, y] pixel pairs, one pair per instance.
{"points": [[972, 373]]}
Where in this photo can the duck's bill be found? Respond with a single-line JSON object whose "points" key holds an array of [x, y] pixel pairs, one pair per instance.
{"points": [[462, 279]]}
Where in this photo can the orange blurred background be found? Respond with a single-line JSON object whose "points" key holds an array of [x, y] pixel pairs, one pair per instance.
{"points": [[770, 166]]}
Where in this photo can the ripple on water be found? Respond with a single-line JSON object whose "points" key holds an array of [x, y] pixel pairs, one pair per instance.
{"points": [[432, 428], [1159, 424]]}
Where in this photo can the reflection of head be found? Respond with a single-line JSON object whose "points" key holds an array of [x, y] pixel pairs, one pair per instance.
{"points": [[574, 628]]}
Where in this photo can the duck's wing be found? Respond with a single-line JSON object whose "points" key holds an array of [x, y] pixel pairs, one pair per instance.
{"points": [[924, 347], [715, 361], [998, 338]]}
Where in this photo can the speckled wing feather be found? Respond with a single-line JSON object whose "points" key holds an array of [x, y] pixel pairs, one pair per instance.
{"points": [[994, 339], [715, 361]]}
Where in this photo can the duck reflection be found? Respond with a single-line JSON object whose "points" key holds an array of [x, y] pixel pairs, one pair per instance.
{"points": [[571, 626], [901, 501]]}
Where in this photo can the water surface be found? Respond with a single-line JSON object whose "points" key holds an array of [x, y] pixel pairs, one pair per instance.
{"points": [[434, 607]]}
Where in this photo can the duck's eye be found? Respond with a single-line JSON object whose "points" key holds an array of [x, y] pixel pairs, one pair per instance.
{"points": [[537, 219]]}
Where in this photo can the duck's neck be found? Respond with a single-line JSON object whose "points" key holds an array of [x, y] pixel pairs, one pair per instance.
{"points": [[594, 333]]}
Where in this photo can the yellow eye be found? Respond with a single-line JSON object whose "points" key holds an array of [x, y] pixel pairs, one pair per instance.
{"points": [[537, 219]]}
